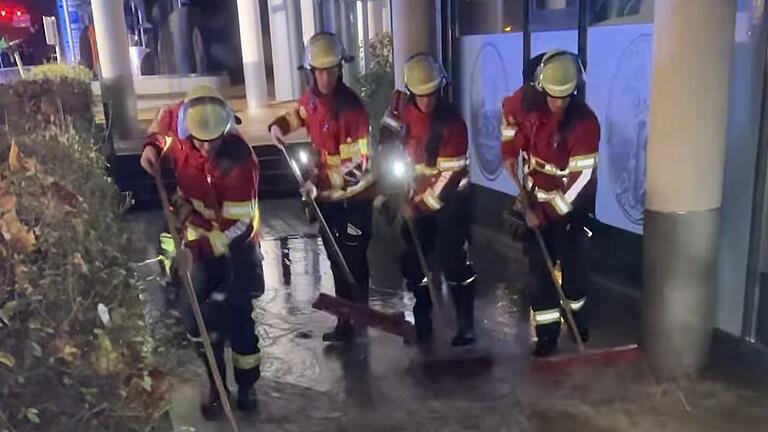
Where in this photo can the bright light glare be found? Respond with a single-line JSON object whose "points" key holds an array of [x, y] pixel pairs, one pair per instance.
{"points": [[398, 168], [303, 157]]}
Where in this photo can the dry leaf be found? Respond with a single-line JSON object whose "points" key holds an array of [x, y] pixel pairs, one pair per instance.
{"points": [[20, 238], [64, 349], [14, 157]]}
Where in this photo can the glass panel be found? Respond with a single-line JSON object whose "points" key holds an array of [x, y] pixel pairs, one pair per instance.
{"points": [[611, 12], [548, 15], [489, 16]]}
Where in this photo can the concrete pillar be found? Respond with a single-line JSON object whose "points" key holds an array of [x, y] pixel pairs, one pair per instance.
{"points": [[414, 29], [252, 46], [686, 155], [284, 48], [309, 20], [375, 18], [295, 43], [116, 79]]}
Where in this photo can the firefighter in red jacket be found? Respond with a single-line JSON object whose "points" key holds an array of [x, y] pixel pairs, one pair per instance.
{"points": [[217, 175], [337, 124], [434, 139], [556, 136]]}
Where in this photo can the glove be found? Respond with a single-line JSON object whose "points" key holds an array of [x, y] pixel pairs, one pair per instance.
{"points": [[309, 190]]}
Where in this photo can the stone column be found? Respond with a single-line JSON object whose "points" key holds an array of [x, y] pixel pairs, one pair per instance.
{"points": [[686, 156], [252, 46], [414, 29], [117, 89]]}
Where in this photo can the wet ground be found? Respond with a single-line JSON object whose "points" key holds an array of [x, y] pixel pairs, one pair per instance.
{"points": [[386, 386]]}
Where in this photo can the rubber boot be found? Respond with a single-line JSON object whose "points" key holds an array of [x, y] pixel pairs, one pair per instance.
{"points": [[464, 304], [212, 409], [246, 399], [422, 313], [546, 339], [581, 325], [343, 332]]}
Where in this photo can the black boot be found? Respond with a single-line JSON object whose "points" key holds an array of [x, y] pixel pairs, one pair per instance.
{"points": [[464, 303], [212, 409], [422, 313], [246, 399], [545, 347], [343, 332], [581, 325], [546, 339]]}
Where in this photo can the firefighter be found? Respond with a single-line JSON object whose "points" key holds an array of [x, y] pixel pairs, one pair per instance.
{"points": [[557, 135], [217, 175], [337, 124], [434, 139]]}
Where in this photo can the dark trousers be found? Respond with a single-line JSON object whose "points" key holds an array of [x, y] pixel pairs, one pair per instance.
{"points": [[566, 243], [350, 223], [225, 288], [447, 232]]}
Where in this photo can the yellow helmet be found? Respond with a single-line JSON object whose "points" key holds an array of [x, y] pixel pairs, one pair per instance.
{"points": [[324, 51], [204, 114], [559, 73], [423, 74]]}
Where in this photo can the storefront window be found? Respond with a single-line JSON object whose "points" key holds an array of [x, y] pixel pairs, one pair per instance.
{"points": [[607, 12], [489, 16]]}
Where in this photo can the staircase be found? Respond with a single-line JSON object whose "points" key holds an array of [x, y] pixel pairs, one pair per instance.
{"points": [[276, 180]]}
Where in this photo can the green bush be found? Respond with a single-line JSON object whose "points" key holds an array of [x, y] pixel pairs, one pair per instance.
{"points": [[75, 353], [29, 105], [60, 72], [376, 86]]}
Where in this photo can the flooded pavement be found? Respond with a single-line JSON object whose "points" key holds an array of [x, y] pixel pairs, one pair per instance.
{"points": [[384, 385]]}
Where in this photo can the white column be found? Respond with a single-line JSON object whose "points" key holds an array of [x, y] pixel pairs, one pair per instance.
{"points": [[295, 43], [686, 157], [308, 12], [116, 79], [375, 18], [252, 46], [287, 79], [414, 29]]}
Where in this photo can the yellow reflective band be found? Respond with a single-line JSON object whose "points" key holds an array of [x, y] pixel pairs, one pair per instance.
{"points": [[202, 209], [451, 163], [431, 200], [556, 198], [167, 143], [349, 151], [508, 132], [581, 163], [425, 170], [576, 305], [337, 180], [219, 242], [239, 210], [354, 150], [194, 233], [560, 203], [537, 164], [333, 160], [548, 316], [246, 362]]}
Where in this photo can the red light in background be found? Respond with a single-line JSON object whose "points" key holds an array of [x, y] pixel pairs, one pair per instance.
{"points": [[3, 12], [19, 13]]}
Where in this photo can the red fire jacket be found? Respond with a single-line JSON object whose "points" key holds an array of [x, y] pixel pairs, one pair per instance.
{"points": [[559, 160], [338, 128], [438, 153], [222, 190]]}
